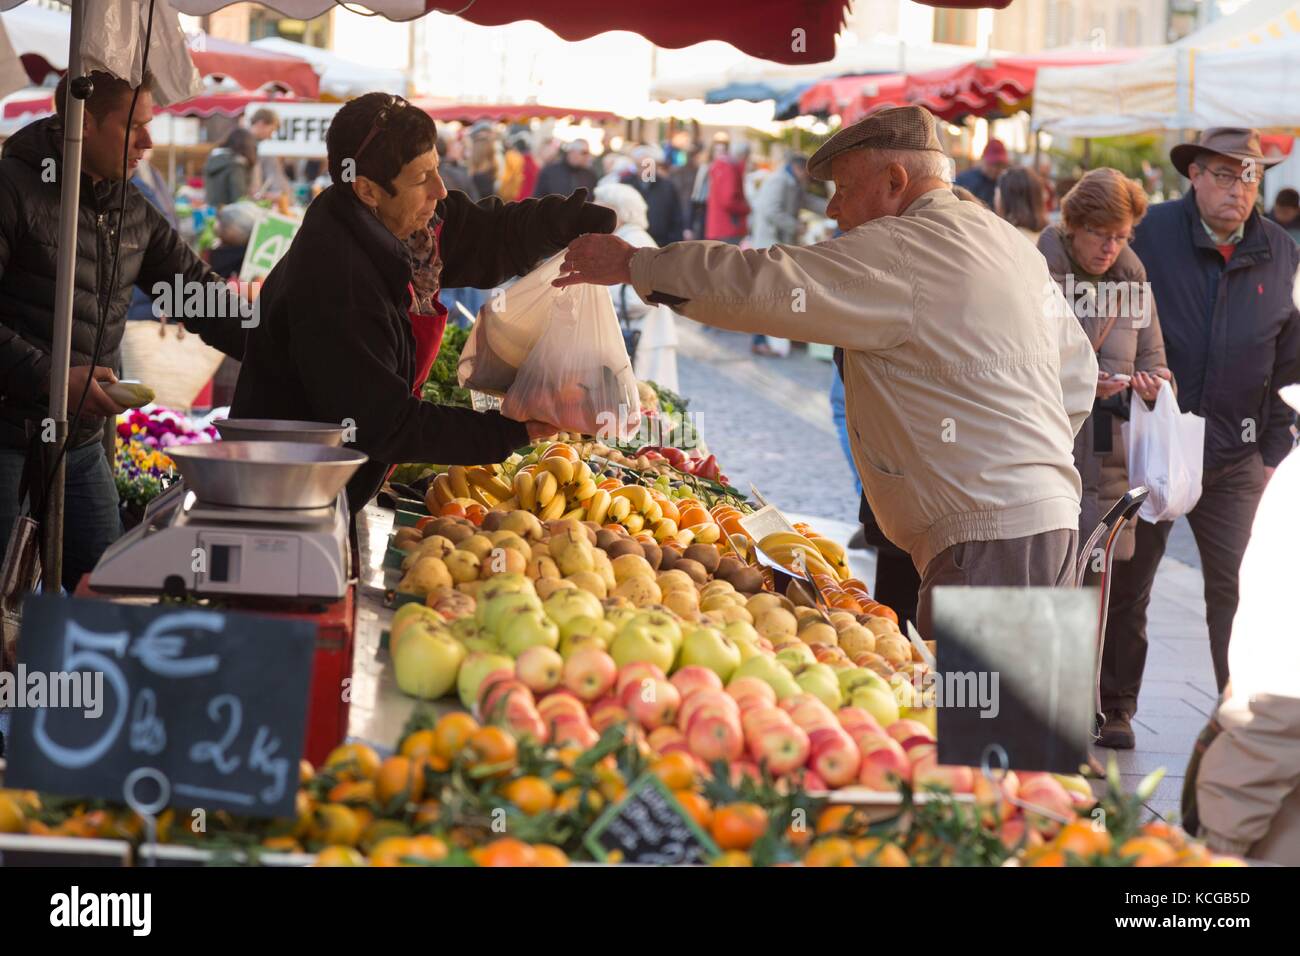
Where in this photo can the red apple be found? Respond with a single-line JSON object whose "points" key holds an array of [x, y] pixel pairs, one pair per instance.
{"points": [[491, 701], [757, 718], [661, 737], [715, 738], [905, 730], [540, 668], [690, 679], [744, 768], [636, 672], [655, 704], [714, 699], [589, 672], [883, 763], [852, 718], [560, 702], [498, 676], [834, 756], [927, 772], [567, 729], [810, 713], [812, 781], [917, 751], [607, 712], [781, 748], [522, 719], [743, 688]]}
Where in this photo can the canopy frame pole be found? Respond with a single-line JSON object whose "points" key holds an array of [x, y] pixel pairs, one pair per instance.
{"points": [[61, 358]]}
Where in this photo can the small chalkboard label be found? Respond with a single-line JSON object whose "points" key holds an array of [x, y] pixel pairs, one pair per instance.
{"points": [[649, 826], [179, 706]]}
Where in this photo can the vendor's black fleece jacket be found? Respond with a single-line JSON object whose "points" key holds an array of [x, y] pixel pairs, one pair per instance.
{"points": [[334, 340]]}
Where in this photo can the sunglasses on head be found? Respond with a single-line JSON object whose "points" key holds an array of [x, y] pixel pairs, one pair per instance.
{"points": [[380, 122]]}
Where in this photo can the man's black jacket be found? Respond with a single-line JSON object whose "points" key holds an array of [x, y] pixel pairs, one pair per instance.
{"points": [[334, 341], [151, 252], [1231, 329]]}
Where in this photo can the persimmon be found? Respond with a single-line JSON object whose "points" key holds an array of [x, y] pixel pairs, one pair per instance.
{"points": [[452, 509], [737, 826], [475, 513]]}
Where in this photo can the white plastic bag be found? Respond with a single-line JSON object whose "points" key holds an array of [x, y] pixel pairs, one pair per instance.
{"points": [[556, 355], [1166, 449]]}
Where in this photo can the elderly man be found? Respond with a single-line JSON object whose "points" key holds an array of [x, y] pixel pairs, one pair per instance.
{"points": [[966, 375], [1221, 275]]}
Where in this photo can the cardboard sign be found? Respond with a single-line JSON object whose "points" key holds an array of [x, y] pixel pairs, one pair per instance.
{"points": [[270, 240], [178, 706], [1015, 676], [649, 826], [302, 128]]}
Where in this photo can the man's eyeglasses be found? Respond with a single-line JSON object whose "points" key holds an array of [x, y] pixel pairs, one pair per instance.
{"points": [[1104, 237], [380, 122], [1225, 179]]}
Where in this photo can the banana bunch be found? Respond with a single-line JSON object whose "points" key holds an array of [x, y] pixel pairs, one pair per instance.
{"points": [[480, 484], [816, 555], [556, 487]]}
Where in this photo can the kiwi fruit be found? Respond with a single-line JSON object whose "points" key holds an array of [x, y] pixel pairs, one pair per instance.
{"points": [[625, 546], [727, 568], [694, 570], [456, 533], [747, 580], [657, 555], [605, 539], [705, 554], [492, 521]]}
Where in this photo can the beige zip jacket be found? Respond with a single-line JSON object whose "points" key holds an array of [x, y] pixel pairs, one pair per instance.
{"points": [[966, 376]]}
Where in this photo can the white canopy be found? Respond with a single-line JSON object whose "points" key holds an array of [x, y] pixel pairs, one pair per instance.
{"points": [[1243, 70], [340, 78]]}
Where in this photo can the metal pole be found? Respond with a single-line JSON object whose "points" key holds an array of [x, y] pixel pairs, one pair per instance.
{"points": [[69, 203]]}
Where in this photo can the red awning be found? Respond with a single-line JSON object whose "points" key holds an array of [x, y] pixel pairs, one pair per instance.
{"points": [[211, 104], [253, 68], [981, 87], [841, 94], [473, 112]]}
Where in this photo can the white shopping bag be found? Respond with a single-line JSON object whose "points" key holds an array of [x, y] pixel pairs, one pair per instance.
{"points": [[1166, 450]]}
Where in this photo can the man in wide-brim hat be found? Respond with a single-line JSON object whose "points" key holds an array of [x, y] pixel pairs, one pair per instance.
{"points": [[966, 375], [1221, 275]]}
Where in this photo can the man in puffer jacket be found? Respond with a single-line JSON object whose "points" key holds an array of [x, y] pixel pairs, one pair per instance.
{"points": [[151, 252]]}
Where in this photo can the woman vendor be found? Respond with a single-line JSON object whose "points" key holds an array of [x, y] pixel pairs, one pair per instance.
{"points": [[349, 321]]}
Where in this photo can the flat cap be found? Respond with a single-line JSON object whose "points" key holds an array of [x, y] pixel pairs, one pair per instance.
{"points": [[904, 127]]}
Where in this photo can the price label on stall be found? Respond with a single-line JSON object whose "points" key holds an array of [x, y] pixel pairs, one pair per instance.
{"points": [[270, 240], [160, 706], [649, 826]]}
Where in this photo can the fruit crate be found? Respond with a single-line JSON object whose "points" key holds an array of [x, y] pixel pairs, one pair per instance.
{"points": [[20, 849]]}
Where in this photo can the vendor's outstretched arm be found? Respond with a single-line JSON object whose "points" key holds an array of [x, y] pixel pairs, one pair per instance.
{"points": [[823, 293], [485, 243]]}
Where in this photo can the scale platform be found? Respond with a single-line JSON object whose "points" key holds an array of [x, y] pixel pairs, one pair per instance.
{"points": [[185, 547]]}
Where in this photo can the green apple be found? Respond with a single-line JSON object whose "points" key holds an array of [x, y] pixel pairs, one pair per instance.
{"points": [[771, 672], [878, 701], [484, 644], [821, 681], [581, 631], [464, 628], [709, 647], [618, 616], [489, 614], [507, 582], [523, 628], [855, 677], [741, 631], [426, 662], [568, 603], [473, 670], [647, 636], [797, 655]]}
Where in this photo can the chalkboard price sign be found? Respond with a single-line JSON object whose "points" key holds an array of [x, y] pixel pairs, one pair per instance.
{"points": [[649, 826], [177, 706]]}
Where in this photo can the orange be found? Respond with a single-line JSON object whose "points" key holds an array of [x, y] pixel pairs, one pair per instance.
{"points": [[398, 775], [339, 856], [1164, 831], [336, 825], [305, 770], [419, 524], [832, 819], [493, 751], [732, 858], [738, 826], [419, 744], [880, 610], [609, 484], [610, 782], [830, 851], [475, 513], [281, 844], [353, 792], [676, 770], [561, 777], [377, 831], [1081, 838], [871, 851], [452, 509], [546, 855], [353, 762], [1045, 856], [451, 733], [693, 515], [669, 509], [696, 805], [304, 806], [506, 851], [560, 450], [568, 755], [430, 811], [12, 818], [389, 851], [798, 836], [1149, 851], [532, 795], [428, 847], [573, 799]]}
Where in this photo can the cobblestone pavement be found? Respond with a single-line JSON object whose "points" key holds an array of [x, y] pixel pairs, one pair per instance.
{"points": [[768, 421]]}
